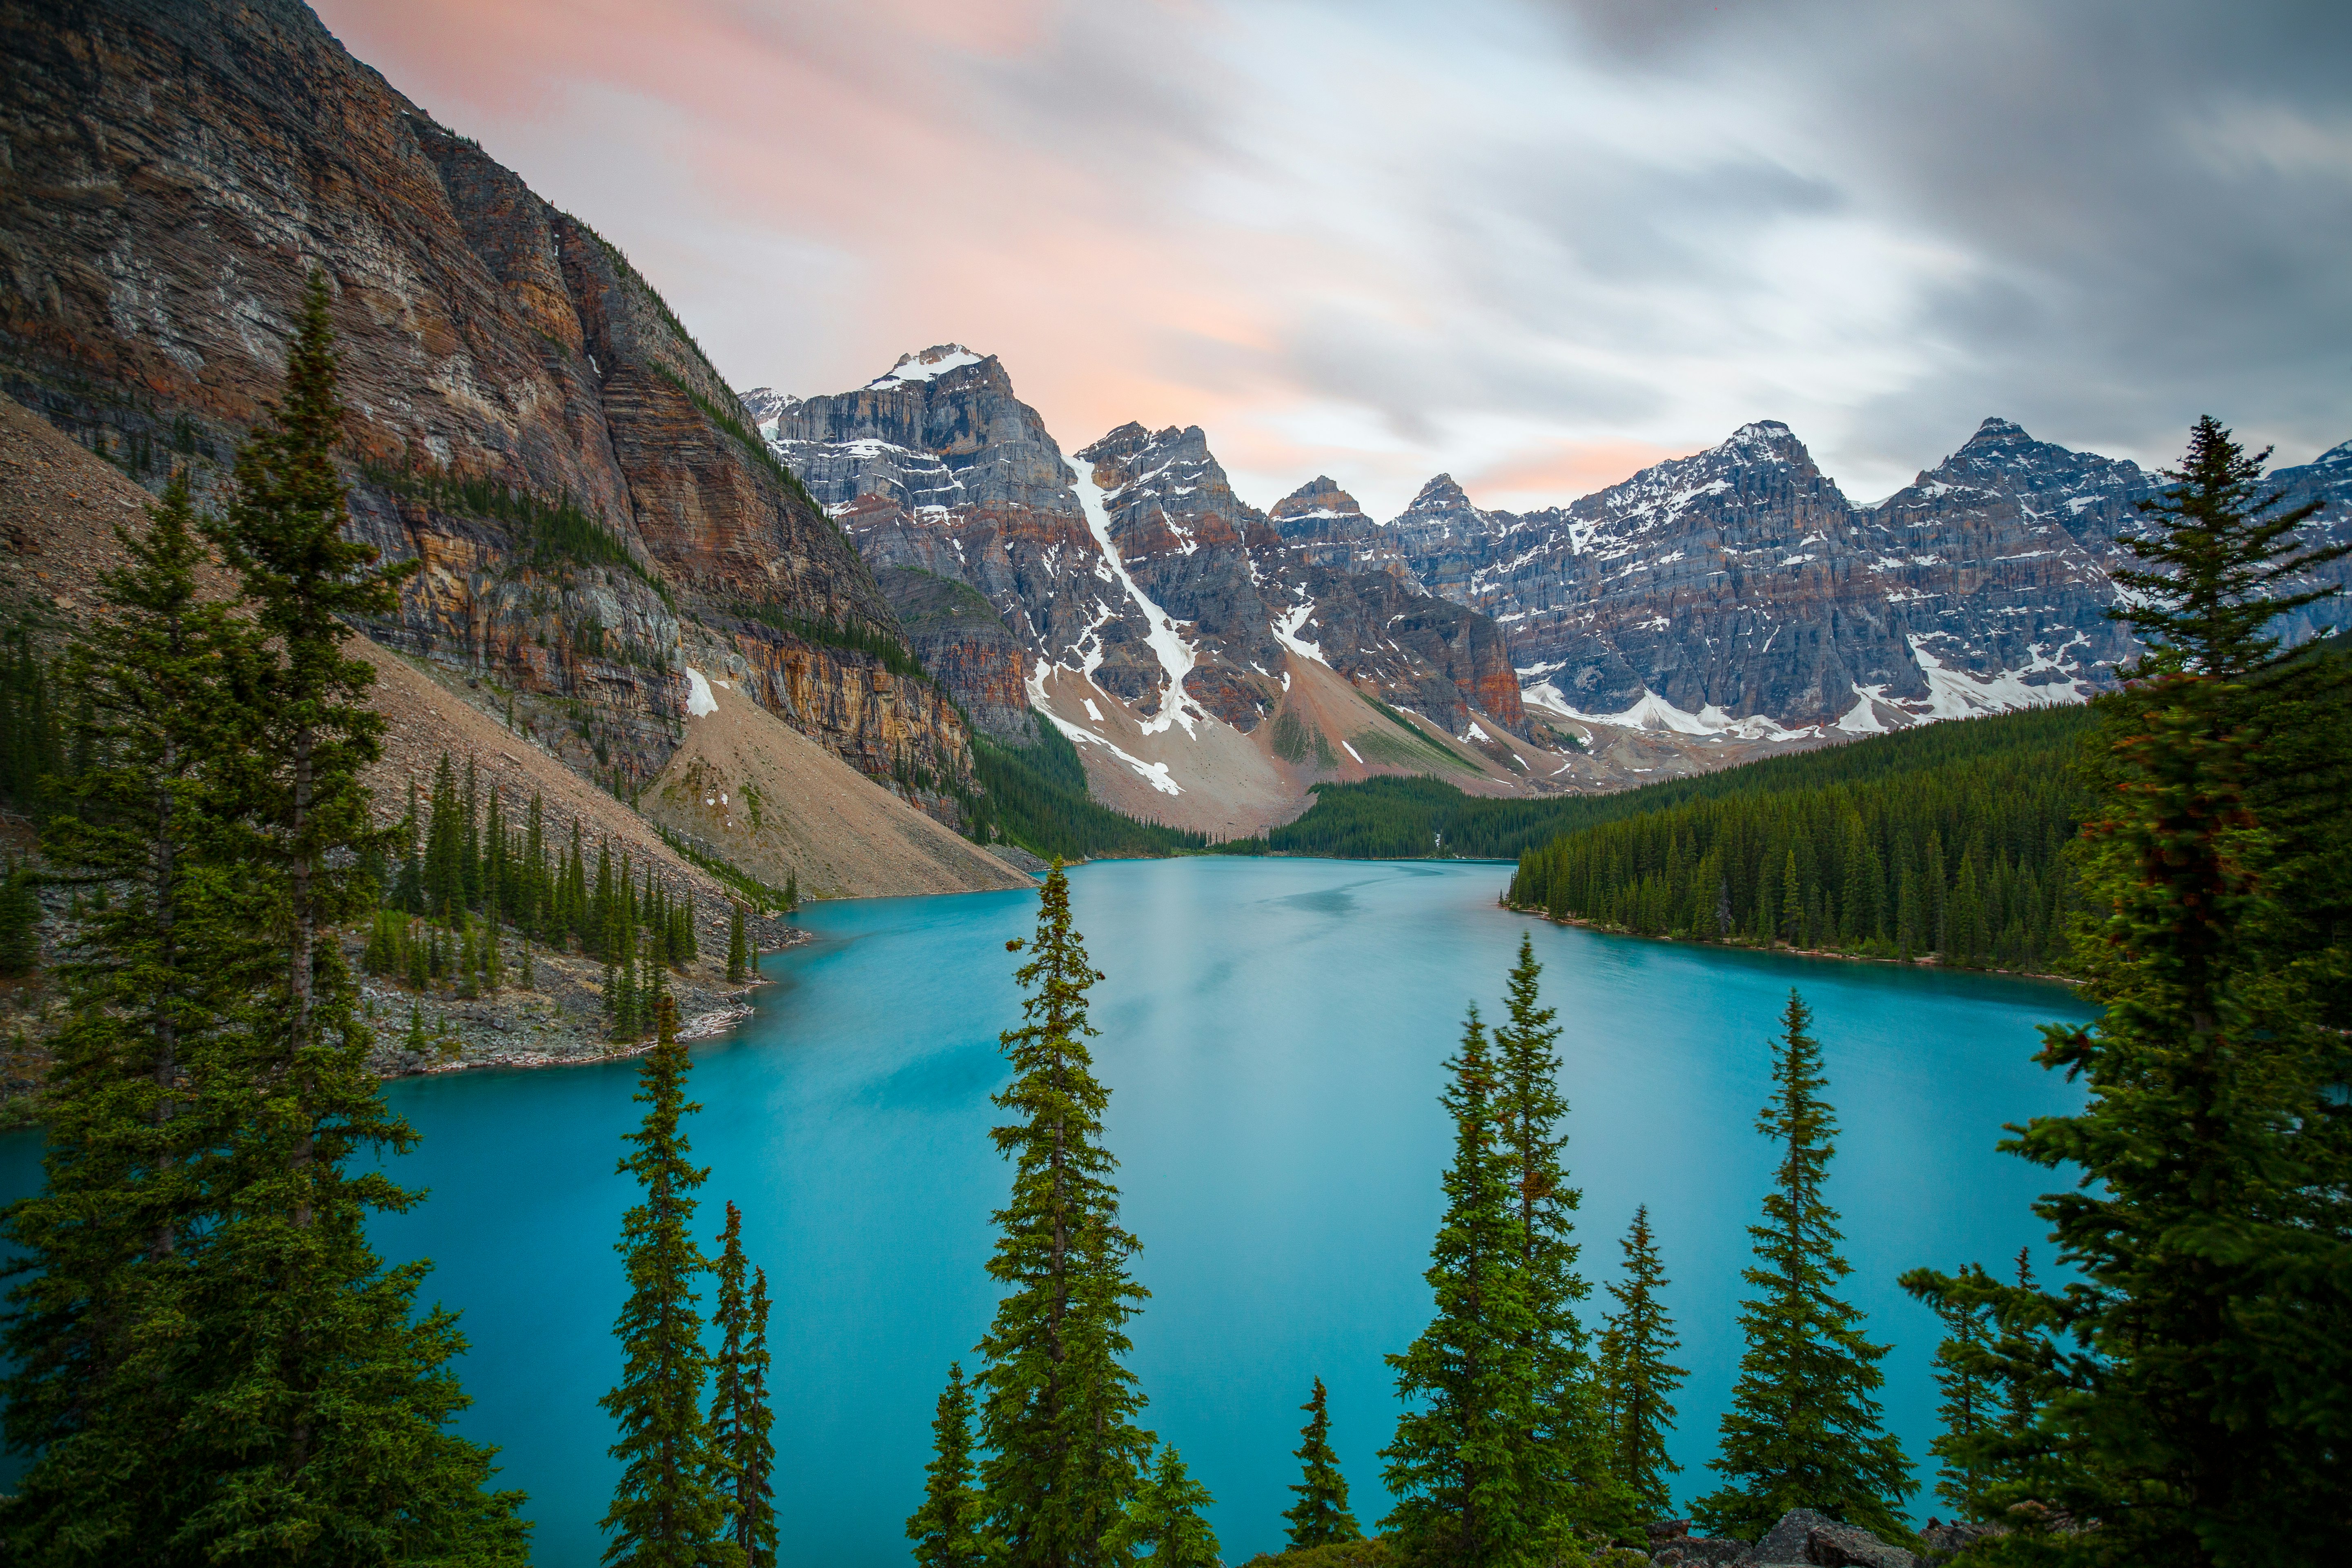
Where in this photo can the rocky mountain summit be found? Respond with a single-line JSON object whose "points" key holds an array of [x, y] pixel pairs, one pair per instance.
{"points": [[1738, 591], [529, 419], [1129, 572]]}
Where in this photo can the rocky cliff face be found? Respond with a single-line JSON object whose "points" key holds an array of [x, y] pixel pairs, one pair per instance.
{"points": [[936, 466], [962, 640], [1131, 563], [1185, 539], [173, 171], [1738, 591]]}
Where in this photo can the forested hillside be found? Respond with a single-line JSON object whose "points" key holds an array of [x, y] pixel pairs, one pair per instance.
{"points": [[1949, 840], [1036, 797], [1408, 818]]}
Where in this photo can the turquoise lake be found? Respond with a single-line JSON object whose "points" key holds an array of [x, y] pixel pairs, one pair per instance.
{"points": [[1274, 1034]]}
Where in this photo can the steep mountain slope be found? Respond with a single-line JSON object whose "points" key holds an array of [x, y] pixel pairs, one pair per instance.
{"points": [[1186, 641], [1737, 592], [775, 802], [528, 418]]}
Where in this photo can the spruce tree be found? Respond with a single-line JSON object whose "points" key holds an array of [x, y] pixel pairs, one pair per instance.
{"points": [[738, 959], [947, 1529], [1639, 1381], [322, 1425], [1566, 1478], [1457, 1460], [1164, 1514], [98, 1389], [1320, 1516], [1803, 1429], [668, 1510], [745, 1456], [1967, 1404], [2196, 1412], [1057, 1404]]}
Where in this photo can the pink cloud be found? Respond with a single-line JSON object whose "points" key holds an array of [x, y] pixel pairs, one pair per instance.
{"points": [[1560, 471]]}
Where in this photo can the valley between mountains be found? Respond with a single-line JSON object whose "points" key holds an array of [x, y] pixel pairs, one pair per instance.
{"points": [[892, 576]]}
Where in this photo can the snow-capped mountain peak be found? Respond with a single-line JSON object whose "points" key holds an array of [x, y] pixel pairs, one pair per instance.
{"points": [[928, 365]]}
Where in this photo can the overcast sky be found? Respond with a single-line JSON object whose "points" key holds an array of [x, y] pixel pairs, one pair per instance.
{"points": [[1539, 244]]}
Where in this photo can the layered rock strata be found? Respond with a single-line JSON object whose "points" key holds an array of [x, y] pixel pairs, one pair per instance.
{"points": [[177, 170], [1131, 561], [1738, 591]]}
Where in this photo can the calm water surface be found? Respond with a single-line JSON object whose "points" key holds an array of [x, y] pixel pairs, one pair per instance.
{"points": [[1272, 1033]]}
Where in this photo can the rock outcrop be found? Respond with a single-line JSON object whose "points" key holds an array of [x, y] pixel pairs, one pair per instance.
{"points": [[1160, 620], [1738, 591], [937, 464], [962, 640], [527, 419], [1131, 561]]}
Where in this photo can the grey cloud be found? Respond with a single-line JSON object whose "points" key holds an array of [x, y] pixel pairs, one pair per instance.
{"points": [[2159, 196]]}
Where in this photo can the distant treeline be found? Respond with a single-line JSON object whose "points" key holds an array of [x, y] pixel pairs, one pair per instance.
{"points": [[1037, 798], [1946, 841], [1421, 818]]}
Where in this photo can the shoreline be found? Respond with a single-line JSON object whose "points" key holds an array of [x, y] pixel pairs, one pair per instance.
{"points": [[1925, 960], [559, 1023]]}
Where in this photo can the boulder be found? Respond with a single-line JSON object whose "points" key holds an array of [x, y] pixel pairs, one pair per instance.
{"points": [[1850, 1546], [1785, 1541], [1946, 1542]]}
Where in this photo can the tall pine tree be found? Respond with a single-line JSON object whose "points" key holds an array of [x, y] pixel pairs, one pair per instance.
{"points": [[739, 1417], [1458, 1459], [948, 1530], [1965, 1403], [1057, 1404], [101, 1385], [1566, 1478], [668, 1510], [1320, 1516], [1638, 1378], [322, 1422], [1803, 1426], [2203, 1419]]}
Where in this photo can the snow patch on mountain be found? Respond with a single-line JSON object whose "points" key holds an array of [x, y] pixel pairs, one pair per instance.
{"points": [[1156, 774], [1955, 693], [928, 365], [1175, 655], [1287, 626], [1652, 711]]}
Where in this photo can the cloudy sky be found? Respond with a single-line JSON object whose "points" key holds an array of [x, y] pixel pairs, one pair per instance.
{"points": [[1535, 243]]}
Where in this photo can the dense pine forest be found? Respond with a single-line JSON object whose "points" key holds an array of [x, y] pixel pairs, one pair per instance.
{"points": [[1949, 840], [1414, 818], [1036, 797]]}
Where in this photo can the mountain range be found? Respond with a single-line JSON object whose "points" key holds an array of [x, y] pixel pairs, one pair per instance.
{"points": [[1733, 596]]}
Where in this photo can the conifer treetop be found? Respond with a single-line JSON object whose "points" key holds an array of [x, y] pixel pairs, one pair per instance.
{"points": [[2218, 550]]}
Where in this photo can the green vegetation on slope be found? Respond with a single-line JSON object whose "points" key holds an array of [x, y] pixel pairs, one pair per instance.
{"points": [[554, 533], [1037, 799], [1952, 845], [1416, 819]]}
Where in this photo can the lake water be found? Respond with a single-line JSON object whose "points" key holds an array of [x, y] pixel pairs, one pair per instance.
{"points": [[1273, 1034]]}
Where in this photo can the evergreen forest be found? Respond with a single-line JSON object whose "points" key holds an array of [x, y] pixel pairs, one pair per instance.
{"points": [[1037, 798], [1955, 848]]}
